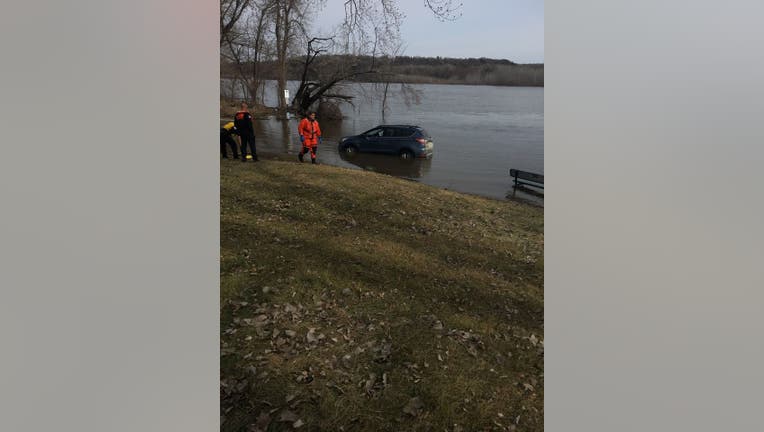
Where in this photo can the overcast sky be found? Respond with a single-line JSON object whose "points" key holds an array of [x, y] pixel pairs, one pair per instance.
{"points": [[502, 29]]}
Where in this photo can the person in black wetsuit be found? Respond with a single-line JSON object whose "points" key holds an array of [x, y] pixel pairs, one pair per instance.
{"points": [[226, 140], [243, 124]]}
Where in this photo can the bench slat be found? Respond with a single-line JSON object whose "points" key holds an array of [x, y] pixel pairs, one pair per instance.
{"points": [[525, 175]]}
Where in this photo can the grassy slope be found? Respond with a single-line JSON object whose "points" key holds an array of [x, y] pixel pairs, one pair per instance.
{"points": [[411, 291]]}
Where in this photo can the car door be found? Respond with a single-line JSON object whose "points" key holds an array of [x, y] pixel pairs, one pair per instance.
{"points": [[370, 140], [400, 140], [389, 141]]}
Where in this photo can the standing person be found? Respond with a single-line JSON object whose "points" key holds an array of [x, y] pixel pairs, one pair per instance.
{"points": [[243, 124], [226, 139], [310, 136]]}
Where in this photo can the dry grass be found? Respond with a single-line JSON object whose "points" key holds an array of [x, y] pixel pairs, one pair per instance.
{"points": [[426, 306]]}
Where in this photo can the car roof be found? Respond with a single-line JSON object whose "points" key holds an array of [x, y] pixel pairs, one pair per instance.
{"points": [[405, 126]]}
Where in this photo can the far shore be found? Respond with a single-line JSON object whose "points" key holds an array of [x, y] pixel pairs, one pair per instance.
{"points": [[425, 80]]}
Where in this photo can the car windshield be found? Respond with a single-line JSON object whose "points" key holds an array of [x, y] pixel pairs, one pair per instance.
{"points": [[423, 132]]}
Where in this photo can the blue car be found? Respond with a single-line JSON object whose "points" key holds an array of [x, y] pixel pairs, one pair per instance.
{"points": [[406, 141]]}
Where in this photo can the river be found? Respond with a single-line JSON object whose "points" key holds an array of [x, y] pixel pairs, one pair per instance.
{"points": [[480, 132]]}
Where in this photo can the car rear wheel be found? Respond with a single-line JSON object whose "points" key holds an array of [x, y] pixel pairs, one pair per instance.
{"points": [[407, 155]]}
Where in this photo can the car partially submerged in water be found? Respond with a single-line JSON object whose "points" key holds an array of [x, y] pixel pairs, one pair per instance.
{"points": [[405, 141]]}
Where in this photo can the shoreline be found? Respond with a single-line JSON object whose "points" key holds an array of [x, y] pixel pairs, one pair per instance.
{"points": [[282, 157]]}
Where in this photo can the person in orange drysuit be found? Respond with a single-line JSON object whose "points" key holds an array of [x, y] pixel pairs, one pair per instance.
{"points": [[310, 136]]}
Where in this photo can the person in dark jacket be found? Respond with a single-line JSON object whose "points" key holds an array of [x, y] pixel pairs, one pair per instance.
{"points": [[243, 123], [226, 140]]}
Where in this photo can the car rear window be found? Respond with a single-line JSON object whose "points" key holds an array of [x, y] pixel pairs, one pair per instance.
{"points": [[423, 132], [403, 132]]}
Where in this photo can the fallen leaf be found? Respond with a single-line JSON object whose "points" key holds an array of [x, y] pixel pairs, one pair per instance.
{"points": [[305, 377], [414, 406], [263, 420], [383, 352], [369, 385], [311, 337], [288, 416]]}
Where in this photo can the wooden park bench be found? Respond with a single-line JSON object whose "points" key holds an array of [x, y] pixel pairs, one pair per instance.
{"points": [[527, 178]]}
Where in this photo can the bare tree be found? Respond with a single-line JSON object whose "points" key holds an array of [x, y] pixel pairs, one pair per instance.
{"points": [[230, 13], [410, 94], [444, 10], [317, 84], [261, 19], [371, 28], [283, 32], [305, 96], [246, 46], [263, 12]]}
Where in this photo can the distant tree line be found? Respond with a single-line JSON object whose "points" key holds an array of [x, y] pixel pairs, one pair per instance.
{"points": [[418, 70], [436, 61]]}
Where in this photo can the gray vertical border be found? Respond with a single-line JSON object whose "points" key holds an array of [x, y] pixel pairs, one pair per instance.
{"points": [[109, 242], [653, 144]]}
